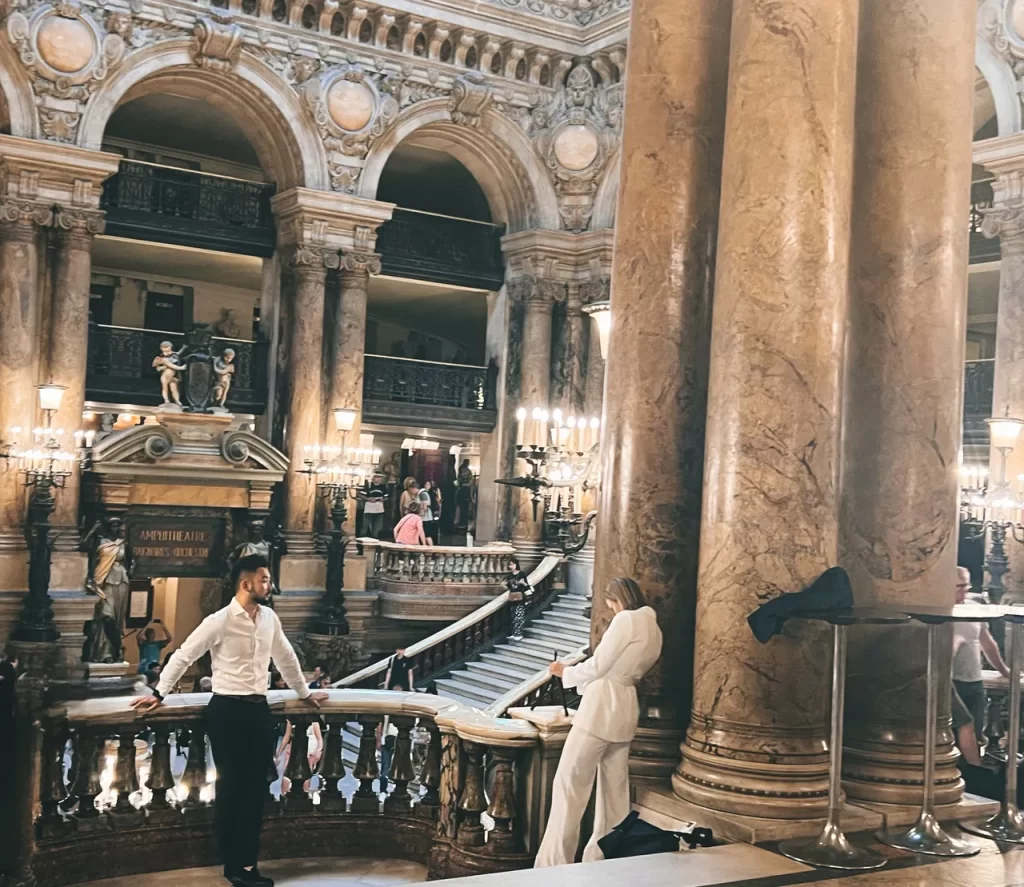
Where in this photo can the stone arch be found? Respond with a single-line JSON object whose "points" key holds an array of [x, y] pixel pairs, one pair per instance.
{"points": [[260, 102], [606, 199], [17, 97], [999, 76], [497, 153]]}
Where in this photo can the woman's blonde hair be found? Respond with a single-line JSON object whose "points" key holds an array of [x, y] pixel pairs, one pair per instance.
{"points": [[627, 593], [409, 483]]}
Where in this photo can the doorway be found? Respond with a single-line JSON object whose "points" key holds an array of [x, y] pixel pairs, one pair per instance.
{"points": [[165, 312]]}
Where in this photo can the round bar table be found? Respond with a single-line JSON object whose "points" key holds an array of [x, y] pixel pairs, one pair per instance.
{"points": [[1008, 824], [831, 849], [926, 835]]}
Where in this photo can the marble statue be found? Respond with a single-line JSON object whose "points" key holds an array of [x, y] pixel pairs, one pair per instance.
{"points": [[227, 327], [169, 366], [108, 580], [258, 544], [393, 468], [224, 368]]}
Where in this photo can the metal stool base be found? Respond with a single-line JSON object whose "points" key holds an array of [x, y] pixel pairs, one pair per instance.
{"points": [[927, 836], [832, 850], [1006, 826]]}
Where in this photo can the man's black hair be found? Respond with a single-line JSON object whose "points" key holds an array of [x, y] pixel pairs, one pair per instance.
{"points": [[248, 564]]}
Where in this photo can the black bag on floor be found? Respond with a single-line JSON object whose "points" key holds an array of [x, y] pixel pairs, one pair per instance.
{"points": [[634, 837]]}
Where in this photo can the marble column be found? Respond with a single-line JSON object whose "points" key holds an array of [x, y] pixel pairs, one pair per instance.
{"points": [[756, 741], [567, 376], [538, 297], [904, 378], [349, 344], [657, 371], [303, 289], [69, 339], [19, 368]]}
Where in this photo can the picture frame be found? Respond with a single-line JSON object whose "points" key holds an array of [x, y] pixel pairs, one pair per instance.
{"points": [[140, 603]]}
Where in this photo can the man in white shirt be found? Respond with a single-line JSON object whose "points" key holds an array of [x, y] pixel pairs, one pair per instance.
{"points": [[241, 639]]}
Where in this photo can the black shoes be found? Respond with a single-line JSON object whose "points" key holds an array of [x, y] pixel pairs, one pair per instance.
{"points": [[250, 878]]}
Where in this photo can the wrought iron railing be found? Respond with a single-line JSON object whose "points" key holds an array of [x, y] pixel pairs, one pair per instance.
{"points": [[979, 376], [120, 367], [146, 201], [442, 249], [431, 393]]}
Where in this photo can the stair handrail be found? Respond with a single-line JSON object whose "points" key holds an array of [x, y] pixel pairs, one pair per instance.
{"points": [[527, 691], [365, 677]]}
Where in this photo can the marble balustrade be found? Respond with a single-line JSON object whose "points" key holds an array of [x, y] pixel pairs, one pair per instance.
{"points": [[119, 780]]}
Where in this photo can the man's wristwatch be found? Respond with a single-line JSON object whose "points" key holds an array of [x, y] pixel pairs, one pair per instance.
{"points": [[159, 696]]}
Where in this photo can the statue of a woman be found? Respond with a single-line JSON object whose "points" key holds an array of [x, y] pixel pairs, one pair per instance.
{"points": [[108, 580]]}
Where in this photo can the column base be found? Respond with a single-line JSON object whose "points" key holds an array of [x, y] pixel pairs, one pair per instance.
{"points": [[654, 753], [890, 771], [752, 771]]}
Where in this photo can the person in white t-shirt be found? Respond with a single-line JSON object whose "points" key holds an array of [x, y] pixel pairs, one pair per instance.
{"points": [[373, 511]]}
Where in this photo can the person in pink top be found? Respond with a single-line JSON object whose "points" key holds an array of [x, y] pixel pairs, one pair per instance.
{"points": [[409, 530]]}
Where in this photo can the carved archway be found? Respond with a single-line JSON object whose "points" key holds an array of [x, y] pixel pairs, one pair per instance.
{"points": [[497, 153], [252, 94], [1000, 78], [18, 100]]}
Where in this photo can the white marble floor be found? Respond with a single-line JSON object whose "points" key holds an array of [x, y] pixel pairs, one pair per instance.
{"points": [[339, 872]]}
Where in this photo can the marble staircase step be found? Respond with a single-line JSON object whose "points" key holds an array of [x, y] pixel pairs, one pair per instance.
{"points": [[486, 682], [471, 693], [561, 641], [504, 667]]}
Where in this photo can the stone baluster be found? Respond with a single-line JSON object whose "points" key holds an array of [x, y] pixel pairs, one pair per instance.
{"points": [[161, 779], [332, 767], [51, 790], [504, 837], [430, 776], [194, 777], [126, 780], [88, 764], [472, 801], [367, 770], [400, 801], [298, 770]]}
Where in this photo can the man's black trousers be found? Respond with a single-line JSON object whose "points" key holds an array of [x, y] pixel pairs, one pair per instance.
{"points": [[242, 738]]}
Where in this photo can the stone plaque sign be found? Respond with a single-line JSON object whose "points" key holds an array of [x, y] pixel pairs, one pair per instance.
{"points": [[176, 546]]}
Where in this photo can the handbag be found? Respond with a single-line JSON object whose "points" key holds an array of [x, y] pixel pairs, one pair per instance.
{"points": [[634, 837]]}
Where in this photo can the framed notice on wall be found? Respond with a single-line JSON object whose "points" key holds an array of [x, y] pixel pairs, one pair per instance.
{"points": [[140, 603], [174, 546]]}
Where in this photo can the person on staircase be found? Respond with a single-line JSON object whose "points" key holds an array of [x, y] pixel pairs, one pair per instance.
{"points": [[519, 590], [603, 728]]}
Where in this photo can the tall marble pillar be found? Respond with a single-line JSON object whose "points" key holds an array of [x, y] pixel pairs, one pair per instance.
{"points": [[19, 320], [657, 370], [756, 740], [69, 338], [1005, 220], [302, 288], [904, 377], [567, 372], [349, 344]]}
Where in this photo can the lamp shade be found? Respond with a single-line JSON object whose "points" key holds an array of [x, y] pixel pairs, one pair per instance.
{"points": [[50, 396], [602, 313], [344, 420], [1004, 430]]}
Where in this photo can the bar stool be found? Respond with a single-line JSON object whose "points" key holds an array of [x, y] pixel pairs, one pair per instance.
{"points": [[926, 835], [831, 849], [1008, 824]]}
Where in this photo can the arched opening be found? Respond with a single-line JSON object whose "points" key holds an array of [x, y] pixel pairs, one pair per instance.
{"points": [[986, 123], [432, 181]]}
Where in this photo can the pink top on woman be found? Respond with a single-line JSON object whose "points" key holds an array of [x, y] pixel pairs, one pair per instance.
{"points": [[409, 530]]}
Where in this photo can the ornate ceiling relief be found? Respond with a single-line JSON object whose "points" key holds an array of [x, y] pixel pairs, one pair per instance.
{"points": [[581, 12], [576, 133], [1001, 23], [66, 53]]}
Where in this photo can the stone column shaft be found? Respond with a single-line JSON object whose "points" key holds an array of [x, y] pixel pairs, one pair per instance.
{"points": [[567, 377], [593, 397], [904, 378], [303, 289], [19, 321], [756, 740], [656, 387], [69, 341]]}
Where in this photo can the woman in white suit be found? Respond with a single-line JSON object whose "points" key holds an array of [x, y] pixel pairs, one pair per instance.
{"points": [[603, 728]]}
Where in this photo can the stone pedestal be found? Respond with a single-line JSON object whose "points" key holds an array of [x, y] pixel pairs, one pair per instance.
{"points": [[756, 744], [902, 403], [654, 406]]}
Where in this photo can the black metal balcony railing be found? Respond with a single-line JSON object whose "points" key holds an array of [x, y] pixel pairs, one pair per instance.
{"points": [[145, 201], [397, 390], [442, 249], [983, 249], [120, 367], [979, 376]]}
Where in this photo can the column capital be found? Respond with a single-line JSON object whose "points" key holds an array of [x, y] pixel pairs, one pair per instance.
{"points": [[311, 259], [356, 261], [28, 214], [79, 222], [329, 219], [537, 293]]}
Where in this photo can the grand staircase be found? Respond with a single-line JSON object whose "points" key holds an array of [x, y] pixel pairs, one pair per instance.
{"points": [[560, 628]]}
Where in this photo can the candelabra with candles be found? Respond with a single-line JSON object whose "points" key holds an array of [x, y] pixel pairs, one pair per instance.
{"points": [[992, 508], [561, 455], [45, 466], [339, 473]]}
